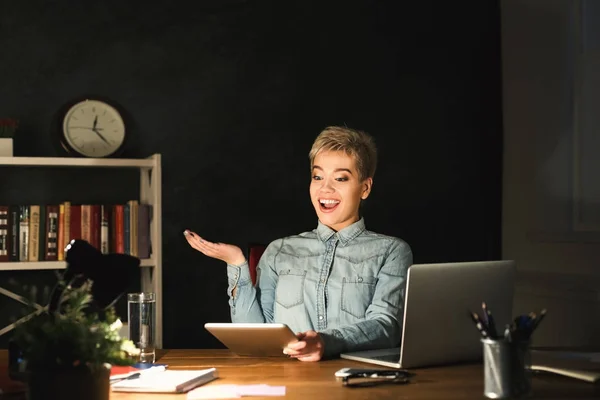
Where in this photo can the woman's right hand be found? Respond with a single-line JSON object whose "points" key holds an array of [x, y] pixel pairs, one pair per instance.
{"points": [[229, 253]]}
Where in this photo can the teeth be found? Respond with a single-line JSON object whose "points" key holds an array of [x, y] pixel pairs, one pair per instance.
{"points": [[323, 201]]}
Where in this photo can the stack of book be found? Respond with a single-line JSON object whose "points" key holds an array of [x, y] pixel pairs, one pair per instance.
{"points": [[41, 232]]}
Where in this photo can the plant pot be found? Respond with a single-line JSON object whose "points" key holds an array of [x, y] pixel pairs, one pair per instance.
{"points": [[6, 147], [69, 384]]}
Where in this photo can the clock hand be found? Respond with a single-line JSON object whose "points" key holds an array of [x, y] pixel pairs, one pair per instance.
{"points": [[95, 122], [85, 127], [101, 137]]}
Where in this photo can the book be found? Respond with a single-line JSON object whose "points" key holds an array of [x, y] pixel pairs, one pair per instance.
{"points": [[168, 381], [51, 253], [104, 228], [34, 233], [4, 234], [60, 241], [14, 226], [24, 233], [75, 220], [42, 234], [67, 225], [583, 375], [583, 366]]}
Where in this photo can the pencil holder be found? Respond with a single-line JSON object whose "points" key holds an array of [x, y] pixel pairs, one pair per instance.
{"points": [[506, 369]]}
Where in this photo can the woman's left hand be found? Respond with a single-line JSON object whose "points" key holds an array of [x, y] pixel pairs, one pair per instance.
{"points": [[309, 347]]}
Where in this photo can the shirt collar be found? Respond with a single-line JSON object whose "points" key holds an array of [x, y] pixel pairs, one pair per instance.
{"points": [[345, 235]]}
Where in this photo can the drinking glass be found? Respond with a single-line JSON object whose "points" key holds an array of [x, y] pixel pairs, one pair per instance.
{"points": [[141, 314]]}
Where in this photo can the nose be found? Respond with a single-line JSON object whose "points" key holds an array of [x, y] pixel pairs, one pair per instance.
{"points": [[327, 186]]}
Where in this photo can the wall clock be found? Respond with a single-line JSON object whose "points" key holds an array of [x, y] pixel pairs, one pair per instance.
{"points": [[92, 128]]}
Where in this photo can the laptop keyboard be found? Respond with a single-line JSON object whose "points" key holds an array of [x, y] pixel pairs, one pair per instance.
{"points": [[386, 357]]}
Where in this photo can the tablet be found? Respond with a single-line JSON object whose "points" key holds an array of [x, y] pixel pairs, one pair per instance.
{"points": [[260, 340]]}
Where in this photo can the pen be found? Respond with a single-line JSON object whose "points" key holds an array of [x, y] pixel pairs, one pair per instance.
{"points": [[126, 378], [491, 326], [538, 320], [485, 315], [508, 333], [519, 330], [136, 375], [478, 324]]}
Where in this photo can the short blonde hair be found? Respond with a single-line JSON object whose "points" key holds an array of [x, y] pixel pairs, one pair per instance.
{"points": [[357, 144]]}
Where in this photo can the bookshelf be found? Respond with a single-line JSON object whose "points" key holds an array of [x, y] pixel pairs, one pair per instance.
{"points": [[150, 193]]}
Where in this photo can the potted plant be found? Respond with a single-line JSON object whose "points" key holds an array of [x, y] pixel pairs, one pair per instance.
{"points": [[8, 127], [68, 353]]}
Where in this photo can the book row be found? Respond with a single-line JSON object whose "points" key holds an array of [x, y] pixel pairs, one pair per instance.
{"points": [[41, 232]]}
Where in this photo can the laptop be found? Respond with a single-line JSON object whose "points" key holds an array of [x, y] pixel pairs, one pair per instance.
{"points": [[437, 329]]}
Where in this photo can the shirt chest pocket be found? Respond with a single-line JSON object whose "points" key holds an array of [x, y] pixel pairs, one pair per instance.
{"points": [[357, 293], [290, 287]]}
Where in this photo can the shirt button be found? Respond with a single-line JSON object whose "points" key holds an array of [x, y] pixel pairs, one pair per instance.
{"points": [[322, 280], [360, 279], [321, 317]]}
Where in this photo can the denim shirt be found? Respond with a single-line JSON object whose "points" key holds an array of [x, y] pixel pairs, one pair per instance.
{"points": [[349, 286]]}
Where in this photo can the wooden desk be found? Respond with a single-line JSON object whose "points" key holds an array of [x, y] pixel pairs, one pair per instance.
{"points": [[316, 380]]}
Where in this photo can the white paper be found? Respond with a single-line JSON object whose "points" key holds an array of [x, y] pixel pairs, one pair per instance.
{"points": [[261, 390], [234, 391], [213, 392]]}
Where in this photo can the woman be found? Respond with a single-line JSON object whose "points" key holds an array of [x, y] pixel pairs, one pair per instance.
{"points": [[340, 286]]}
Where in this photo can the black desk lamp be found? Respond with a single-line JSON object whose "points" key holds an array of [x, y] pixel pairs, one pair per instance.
{"points": [[112, 275]]}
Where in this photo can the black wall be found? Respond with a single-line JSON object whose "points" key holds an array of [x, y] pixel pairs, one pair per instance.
{"points": [[232, 94]]}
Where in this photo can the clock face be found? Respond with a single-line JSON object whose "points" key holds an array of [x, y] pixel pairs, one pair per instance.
{"points": [[93, 128]]}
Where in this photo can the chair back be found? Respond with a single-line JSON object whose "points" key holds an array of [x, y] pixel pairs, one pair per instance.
{"points": [[255, 251]]}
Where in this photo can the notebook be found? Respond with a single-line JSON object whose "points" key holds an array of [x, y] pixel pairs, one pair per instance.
{"points": [[168, 381], [436, 328], [584, 366]]}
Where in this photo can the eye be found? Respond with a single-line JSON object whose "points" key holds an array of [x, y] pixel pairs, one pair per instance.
{"points": [[316, 178], [342, 179]]}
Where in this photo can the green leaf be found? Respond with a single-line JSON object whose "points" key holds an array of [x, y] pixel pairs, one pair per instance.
{"points": [[72, 336]]}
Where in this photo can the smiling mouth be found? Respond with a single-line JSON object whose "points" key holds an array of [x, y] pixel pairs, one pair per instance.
{"points": [[328, 205]]}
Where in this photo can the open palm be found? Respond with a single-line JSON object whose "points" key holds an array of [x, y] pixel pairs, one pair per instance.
{"points": [[229, 253]]}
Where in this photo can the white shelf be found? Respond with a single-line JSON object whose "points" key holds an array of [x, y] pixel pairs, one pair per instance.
{"points": [[150, 178], [40, 265], [77, 162]]}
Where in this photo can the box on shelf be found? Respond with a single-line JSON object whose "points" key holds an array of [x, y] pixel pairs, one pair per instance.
{"points": [[6, 147]]}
